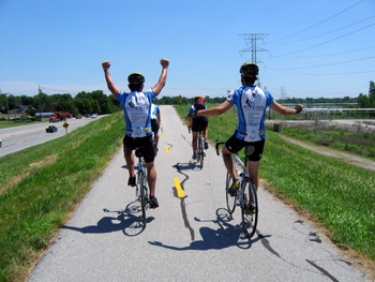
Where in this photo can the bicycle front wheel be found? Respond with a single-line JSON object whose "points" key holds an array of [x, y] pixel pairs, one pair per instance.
{"points": [[143, 197], [249, 207], [231, 200]]}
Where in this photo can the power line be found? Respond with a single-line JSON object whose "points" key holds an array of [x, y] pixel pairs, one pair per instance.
{"points": [[322, 34], [328, 55], [320, 44], [337, 63], [335, 15]]}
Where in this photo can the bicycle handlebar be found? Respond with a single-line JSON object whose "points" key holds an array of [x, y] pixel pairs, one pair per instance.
{"points": [[218, 143]]}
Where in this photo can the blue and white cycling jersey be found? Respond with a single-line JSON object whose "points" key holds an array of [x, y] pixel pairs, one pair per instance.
{"points": [[155, 110], [137, 112], [251, 102]]}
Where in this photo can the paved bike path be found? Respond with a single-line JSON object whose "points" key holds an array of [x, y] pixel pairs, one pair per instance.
{"points": [[189, 238]]}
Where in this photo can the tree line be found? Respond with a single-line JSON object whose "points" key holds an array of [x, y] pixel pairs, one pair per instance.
{"points": [[97, 102]]}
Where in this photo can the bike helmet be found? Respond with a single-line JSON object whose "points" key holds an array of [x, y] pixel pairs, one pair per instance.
{"points": [[201, 100], [197, 97], [249, 69], [136, 78]]}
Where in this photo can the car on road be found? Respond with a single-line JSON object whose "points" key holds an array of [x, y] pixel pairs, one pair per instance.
{"points": [[94, 115], [78, 116], [51, 129], [1, 143]]}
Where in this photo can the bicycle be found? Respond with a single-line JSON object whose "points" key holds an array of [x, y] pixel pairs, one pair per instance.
{"points": [[200, 146], [142, 190], [246, 197], [200, 149]]}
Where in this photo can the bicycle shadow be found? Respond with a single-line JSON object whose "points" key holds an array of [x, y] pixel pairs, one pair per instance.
{"points": [[129, 221], [227, 235], [185, 166]]}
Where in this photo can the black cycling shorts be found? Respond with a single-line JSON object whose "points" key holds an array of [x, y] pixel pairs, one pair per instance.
{"points": [[146, 142], [234, 145], [155, 125], [199, 124]]}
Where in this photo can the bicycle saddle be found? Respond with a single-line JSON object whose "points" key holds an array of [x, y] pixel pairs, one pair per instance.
{"points": [[139, 152]]}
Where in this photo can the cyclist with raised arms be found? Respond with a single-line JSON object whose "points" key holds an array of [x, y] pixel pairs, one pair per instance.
{"points": [[136, 106], [198, 124], [251, 102]]}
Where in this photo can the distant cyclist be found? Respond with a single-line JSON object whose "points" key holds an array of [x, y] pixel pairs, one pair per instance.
{"points": [[155, 123], [198, 124], [251, 102], [136, 105]]}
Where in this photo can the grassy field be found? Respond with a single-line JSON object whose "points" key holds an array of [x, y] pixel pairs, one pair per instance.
{"points": [[337, 195], [42, 185]]}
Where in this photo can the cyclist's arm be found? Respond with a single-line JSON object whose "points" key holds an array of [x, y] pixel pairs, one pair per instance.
{"points": [[284, 110], [215, 111], [108, 78], [163, 76]]}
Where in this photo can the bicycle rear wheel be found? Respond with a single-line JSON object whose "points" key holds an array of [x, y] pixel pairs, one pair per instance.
{"points": [[249, 207], [231, 200], [143, 197]]}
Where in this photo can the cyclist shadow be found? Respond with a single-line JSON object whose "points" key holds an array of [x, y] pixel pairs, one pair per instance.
{"points": [[129, 221], [227, 235]]}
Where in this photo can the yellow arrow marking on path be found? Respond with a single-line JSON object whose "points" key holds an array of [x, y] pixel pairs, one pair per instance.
{"points": [[177, 184], [166, 148]]}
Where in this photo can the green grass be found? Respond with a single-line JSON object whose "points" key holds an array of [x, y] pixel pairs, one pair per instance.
{"points": [[41, 185], [340, 196]]}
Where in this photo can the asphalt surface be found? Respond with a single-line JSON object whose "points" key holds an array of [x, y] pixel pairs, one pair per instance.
{"points": [[189, 237], [21, 137]]}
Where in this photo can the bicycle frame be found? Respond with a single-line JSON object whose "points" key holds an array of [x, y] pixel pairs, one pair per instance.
{"points": [[200, 149], [243, 177], [142, 190]]}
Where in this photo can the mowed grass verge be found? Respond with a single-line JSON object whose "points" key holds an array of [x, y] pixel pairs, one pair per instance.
{"points": [[41, 186], [339, 196]]}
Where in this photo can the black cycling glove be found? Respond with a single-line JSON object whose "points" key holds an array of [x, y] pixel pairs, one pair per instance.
{"points": [[298, 109]]}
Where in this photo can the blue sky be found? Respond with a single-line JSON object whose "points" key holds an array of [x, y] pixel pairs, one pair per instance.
{"points": [[305, 48]]}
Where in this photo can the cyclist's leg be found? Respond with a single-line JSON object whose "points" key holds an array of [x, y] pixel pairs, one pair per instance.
{"points": [[129, 158], [195, 130], [205, 133], [229, 164], [155, 129], [149, 155], [232, 146], [194, 140], [253, 168], [156, 138], [151, 177], [253, 161]]}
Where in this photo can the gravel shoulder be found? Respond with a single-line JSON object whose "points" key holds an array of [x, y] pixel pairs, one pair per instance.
{"points": [[323, 150]]}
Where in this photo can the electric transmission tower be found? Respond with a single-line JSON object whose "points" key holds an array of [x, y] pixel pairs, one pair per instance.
{"points": [[252, 38]]}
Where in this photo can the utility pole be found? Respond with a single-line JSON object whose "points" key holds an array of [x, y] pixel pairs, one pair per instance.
{"points": [[252, 38], [40, 101], [6, 97]]}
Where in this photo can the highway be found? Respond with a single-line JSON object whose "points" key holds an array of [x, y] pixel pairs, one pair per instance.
{"points": [[191, 236], [21, 137]]}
